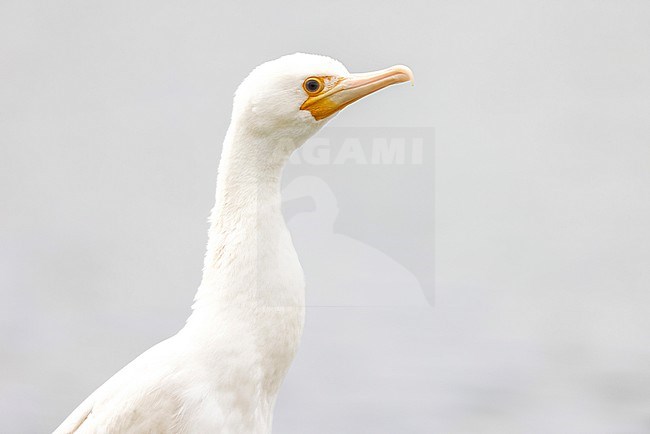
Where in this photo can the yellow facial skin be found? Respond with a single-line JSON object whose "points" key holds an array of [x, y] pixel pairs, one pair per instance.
{"points": [[336, 93]]}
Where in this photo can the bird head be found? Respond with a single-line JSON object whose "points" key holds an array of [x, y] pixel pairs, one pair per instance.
{"points": [[295, 95]]}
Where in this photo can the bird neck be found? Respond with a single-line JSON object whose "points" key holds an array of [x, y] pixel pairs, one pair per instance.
{"points": [[250, 260]]}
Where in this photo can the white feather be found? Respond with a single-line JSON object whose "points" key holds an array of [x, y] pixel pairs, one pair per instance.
{"points": [[221, 373]]}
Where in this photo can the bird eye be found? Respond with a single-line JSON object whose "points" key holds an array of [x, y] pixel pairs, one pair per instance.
{"points": [[313, 85]]}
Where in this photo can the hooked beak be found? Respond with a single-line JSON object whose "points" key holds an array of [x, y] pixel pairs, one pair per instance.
{"points": [[347, 90]]}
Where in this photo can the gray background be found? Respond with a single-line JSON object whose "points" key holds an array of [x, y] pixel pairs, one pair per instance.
{"points": [[111, 118]]}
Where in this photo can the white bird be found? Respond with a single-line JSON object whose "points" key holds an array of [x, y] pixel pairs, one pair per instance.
{"points": [[222, 371]]}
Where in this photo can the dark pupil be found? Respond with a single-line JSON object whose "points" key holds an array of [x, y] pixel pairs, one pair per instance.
{"points": [[312, 85]]}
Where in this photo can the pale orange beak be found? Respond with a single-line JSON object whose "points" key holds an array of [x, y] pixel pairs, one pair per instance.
{"points": [[341, 92]]}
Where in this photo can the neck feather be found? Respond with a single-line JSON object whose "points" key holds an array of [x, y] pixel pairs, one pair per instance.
{"points": [[248, 242], [251, 299]]}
